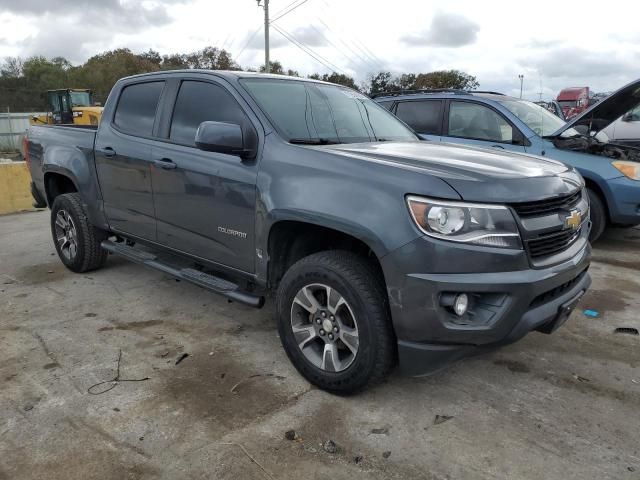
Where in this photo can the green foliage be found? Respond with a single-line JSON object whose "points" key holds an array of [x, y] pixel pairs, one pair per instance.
{"points": [[23, 82], [385, 81]]}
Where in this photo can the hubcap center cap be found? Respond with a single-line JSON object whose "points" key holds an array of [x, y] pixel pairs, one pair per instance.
{"points": [[327, 325]]}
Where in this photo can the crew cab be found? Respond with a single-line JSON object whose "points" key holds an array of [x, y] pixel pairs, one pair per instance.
{"points": [[379, 248], [611, 169]]}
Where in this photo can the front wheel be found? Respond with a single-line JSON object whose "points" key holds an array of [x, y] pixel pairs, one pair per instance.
{"points": [[77, 241], [334, 321], [598, 216]]}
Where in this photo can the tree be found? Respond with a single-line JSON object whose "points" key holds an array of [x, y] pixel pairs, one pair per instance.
{"points": [[446, 79], [380, 82], [339, 78]]}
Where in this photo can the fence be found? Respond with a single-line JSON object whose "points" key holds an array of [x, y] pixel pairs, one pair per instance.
{"points": [[13, 127]]}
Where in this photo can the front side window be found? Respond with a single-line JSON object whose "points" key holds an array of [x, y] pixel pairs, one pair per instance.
{"points": [[475, 121], [308, 111], [136, 110], [423, 115], [199, 102]]}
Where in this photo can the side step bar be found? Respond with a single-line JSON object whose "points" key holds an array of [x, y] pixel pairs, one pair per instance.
{"points": [[204, 280]]}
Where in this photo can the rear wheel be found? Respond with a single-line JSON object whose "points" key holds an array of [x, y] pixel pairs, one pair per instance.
{"points": [[77, 241], [334, 323], [598, 216]]}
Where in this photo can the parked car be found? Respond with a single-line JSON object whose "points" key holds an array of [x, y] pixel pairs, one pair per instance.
{"points": [[553, 106], [378, 246], [496, 121], [626, 129], [574, 101]]}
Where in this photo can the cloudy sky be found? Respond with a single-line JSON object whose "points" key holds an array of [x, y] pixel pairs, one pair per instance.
{"points": [[554, 44]]}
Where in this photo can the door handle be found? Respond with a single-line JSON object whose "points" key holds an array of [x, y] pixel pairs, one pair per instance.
{"points": [[497, 146], [165, 163], [109, 152]]}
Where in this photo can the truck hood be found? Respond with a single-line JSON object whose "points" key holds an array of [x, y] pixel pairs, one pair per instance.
{"points": [[476, 174], [606, 111]]}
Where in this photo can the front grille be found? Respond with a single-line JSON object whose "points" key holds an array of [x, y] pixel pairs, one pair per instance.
{"points": [[545, 207], [551, 243], [557, 291]]}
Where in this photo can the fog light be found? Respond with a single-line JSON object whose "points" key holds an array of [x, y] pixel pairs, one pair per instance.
{"points": [[461, 304]]}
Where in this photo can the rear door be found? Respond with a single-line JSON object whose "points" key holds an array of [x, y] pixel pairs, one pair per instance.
{"points": [[205, 202], [123, 159], [424, 116], [472, 123]]}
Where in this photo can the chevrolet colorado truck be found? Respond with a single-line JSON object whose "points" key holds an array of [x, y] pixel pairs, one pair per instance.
{"points": [[380, 248]]}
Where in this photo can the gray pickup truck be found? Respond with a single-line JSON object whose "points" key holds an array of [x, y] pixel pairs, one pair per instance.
{"points": [[380, 248]]}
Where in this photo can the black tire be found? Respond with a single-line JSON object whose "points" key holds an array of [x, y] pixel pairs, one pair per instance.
{"points": [[598, 216], [361, 286], [89, 255]]}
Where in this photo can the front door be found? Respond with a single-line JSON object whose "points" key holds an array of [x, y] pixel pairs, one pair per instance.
{"points": [[205, 202], [123, 159], [475, 124]]}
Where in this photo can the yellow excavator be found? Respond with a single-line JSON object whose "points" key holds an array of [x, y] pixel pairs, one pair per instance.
{"points": [[69, 106]]}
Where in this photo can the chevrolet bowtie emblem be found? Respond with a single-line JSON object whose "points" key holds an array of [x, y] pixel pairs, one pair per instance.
{"points": [[574, 220]]}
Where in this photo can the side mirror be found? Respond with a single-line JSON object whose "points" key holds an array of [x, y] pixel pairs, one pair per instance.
{"points": [[221, 137], [627, 117]]}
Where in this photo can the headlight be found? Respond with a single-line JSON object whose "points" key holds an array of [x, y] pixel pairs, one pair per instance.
{"points": [[628, 169], [488, 225]]}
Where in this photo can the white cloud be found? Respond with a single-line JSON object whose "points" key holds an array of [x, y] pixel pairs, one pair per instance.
{"points": [[446, 30]]}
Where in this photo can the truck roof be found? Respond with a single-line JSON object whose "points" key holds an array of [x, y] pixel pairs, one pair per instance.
{"points": [[572, 93], [228, 74]]}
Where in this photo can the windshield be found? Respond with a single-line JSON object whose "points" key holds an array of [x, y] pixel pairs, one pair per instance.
{"points": [[308, 111], [80, 99], [537, 118]]}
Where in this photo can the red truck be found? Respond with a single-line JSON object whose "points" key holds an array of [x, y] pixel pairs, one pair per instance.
{"points": [[573, 101]]}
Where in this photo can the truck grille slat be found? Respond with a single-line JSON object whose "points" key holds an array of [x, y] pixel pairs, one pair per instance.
{"points": [[552, 243], [545, 207]]}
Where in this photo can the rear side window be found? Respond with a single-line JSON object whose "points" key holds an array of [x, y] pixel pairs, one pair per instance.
{"points": [[424, 116], [387, 104], [136, 110], [199, 102]]}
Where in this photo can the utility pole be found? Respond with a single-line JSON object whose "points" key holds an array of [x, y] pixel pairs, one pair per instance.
{"points": [[521, 77], [267, 65]]}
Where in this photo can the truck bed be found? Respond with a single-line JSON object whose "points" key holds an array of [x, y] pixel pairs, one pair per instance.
{"points": [[72, 143]]}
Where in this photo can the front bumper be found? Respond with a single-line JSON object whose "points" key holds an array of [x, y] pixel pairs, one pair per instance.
{"points": [[507, 304], [624, 201]]}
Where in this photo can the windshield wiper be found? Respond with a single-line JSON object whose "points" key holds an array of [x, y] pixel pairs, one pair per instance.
{"points": [[313, 141]]}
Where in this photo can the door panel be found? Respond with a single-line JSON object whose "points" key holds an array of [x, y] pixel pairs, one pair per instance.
{"points": [[478, 125], [205, 202], [123, 161], [205, 205]]}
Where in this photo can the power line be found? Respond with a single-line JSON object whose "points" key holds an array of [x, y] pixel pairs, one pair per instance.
{"points": [[332, 44], [288, 11], [248, 41], [283, 9], [316, 56], [367, 63]]}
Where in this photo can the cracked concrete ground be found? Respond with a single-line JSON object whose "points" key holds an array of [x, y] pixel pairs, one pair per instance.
{"points": [[561, 406]]}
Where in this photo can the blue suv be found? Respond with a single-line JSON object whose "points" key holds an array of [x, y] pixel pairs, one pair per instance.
{"points": [[496, 121]]}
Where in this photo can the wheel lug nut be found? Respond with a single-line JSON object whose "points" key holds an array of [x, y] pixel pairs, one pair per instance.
{"points": [[322, 331], [331, 336], [324, 314], [332, 318], [335, 329], [318, 321]]}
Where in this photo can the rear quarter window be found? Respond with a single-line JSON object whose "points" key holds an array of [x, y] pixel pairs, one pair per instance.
{"points": [[136, 110]]}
